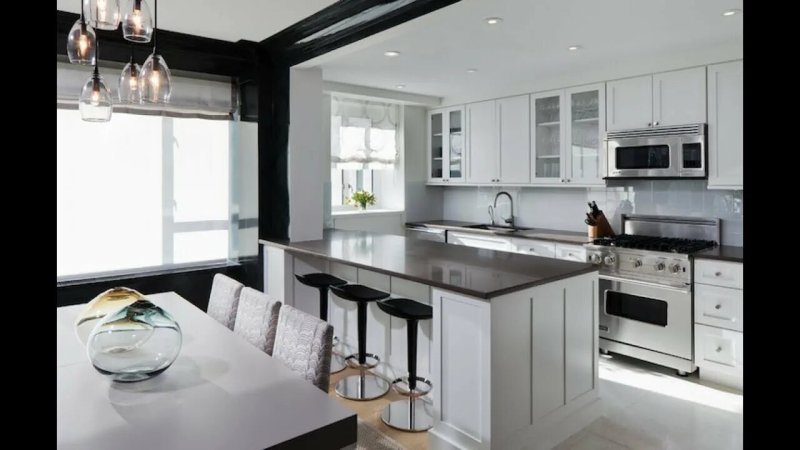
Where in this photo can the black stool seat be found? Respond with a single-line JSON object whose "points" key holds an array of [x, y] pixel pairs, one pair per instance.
{"points": [[320, 280], [358, 293], [406, 308]]}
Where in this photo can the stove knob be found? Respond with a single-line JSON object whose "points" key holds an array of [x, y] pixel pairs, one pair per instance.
{"points": [[659, 266], [675, 268], [610, 260], [637, 263], [596, 258]]}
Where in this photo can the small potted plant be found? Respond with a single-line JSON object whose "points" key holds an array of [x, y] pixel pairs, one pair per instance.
{"points": [[362, 199]]}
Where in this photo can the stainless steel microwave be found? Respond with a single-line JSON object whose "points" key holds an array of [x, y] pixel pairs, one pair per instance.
{"points": [[658, 152]]}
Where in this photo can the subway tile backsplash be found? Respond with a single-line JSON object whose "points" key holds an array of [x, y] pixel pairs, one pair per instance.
{"points": [[565, 208]]}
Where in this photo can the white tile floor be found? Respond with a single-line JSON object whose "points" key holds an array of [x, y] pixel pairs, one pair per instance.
{"points": [[646, 406]]}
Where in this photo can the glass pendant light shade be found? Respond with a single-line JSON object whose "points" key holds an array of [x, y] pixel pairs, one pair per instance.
{"points": [[155, 81], [81, 43], [137, 22], [95, 101], [103, 14], [129, 84]]}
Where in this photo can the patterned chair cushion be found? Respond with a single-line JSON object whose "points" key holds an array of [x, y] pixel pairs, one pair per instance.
{"points": [[303, 343], [224, 299], [257, 319]]}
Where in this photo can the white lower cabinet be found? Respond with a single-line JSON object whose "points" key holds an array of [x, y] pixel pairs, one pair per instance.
{"points": [[719, 321], [479, 241]]}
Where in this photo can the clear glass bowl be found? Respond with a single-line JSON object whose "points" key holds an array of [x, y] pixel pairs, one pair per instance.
{"points": [[100, 306], [137, 342]]}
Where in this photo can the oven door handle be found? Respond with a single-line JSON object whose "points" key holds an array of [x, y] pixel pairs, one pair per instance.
{"points": [[685, 290]]}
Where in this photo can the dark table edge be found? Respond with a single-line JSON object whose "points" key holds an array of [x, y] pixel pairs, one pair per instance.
{"points": [[334, 436], [484, 295]]}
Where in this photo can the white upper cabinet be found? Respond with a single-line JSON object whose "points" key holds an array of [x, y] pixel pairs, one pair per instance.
{"points": [[547, 134], [630, 103], [482, 142], [585, 126], [725, 109], [567, 128], [679, 97], [446, 145], [662, 99], [515, 144]]}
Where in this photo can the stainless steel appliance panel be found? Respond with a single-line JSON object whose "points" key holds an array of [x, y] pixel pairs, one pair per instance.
{"points": [[658, 152]]}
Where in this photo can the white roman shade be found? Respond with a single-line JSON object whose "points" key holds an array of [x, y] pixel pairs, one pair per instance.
{"points": [[363, 133], [191, 97]]}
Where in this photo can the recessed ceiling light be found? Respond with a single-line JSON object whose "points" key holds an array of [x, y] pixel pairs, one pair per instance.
{"points": [[391, 53], [400, 86], [731, 12], [494, 20], [574, 47], [472, 70]]}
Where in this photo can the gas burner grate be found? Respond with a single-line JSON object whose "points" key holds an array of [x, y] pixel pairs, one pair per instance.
{"points": [[655, 243]]}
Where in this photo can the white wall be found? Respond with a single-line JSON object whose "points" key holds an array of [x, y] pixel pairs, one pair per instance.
{"points": [[308, 154], [422, 202]]}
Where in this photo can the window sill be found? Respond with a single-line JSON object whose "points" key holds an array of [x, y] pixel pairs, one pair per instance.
{"points": [[366, 212], [127, 275]]}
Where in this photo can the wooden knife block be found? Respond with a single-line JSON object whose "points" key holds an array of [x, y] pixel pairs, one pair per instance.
{"points": [[603, 227]]}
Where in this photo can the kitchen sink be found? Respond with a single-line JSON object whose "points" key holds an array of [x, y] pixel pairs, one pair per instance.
{"points": [[483, 226]]}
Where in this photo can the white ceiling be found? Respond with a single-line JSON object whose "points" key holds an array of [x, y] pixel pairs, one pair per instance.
{"points": [[230, 20], [531, 43]]}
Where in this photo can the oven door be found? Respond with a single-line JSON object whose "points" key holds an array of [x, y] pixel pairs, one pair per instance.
{"points": [[646, 315]]}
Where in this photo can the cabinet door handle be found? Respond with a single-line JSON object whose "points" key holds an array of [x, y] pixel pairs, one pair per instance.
{"points": [[719, 349], [717, 274], [713, 316], [562, 180], [718, 306], [649, 124], [655, 123]]}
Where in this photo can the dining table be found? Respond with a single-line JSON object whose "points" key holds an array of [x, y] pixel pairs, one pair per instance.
{"points": [[221, 392]]}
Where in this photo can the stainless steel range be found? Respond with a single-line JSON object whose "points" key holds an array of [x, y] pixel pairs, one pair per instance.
{"points": [[646, 303]]}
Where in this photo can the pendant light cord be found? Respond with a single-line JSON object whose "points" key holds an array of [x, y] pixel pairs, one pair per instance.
{"points": [[155, 29]]}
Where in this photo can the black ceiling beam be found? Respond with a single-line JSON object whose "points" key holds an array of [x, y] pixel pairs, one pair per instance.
{"points": [[285, 42], [324, 18], [181, 51]]}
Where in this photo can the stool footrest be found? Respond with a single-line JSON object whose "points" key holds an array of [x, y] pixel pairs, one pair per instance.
{"points": [[352, 361], [423, 386]]}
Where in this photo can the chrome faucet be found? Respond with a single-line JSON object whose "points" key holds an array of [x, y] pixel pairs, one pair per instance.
{"points": [[510, 220]]}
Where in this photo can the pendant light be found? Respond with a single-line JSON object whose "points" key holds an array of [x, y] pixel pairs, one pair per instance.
{"points": [[155, 81], [95, 101], [128, 90], [103, 14], [81, 42], [137, 23]]}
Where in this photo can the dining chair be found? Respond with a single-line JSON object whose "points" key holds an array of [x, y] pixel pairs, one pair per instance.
{"points": [[224, 299], [257, 319], [303, 343]]}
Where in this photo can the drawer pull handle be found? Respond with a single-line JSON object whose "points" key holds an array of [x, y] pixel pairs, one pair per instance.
{"points": [[718, 274], [718, 306], [729, 319], [719, 349]]}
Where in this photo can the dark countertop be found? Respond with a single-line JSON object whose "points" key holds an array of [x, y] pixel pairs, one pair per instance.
{"points": [[569, 237], [722, 253], [467, 270]]}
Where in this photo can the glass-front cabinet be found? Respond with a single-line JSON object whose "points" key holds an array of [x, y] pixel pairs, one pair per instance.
{"points": [[546, 137], [567, 129], [446, 145], [585, 108]]}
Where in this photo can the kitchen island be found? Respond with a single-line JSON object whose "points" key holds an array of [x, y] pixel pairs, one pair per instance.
{"points": [[511, 349]]}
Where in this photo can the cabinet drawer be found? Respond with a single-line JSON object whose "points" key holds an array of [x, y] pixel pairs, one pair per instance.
{"points": [[718, 307], [571, 252], [479, 241], [718, 349], [719, 273], [533, 247]]}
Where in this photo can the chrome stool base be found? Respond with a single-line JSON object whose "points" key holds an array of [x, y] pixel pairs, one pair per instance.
{"points": [[423, 387], [411, 414], [352, 361], [364, 386], [338, 363]]}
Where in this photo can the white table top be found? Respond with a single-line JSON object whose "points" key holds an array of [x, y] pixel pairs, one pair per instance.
{"points": [[221, 392]]}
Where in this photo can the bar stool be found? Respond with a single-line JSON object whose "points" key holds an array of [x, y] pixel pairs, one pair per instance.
{"points": [[409, 414], [323, 281], [365, 385]]}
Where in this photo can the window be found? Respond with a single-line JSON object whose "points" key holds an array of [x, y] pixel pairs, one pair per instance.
{"points": [[365, 149]]}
